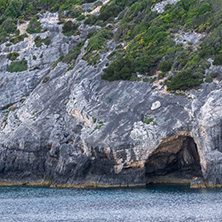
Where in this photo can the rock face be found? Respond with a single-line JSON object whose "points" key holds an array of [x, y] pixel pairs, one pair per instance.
{"points": [[159, 7], [78, 130]]}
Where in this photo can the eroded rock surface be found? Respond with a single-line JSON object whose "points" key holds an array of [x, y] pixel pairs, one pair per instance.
{"points": [[159, 7], [77, 129], [189, 38]]}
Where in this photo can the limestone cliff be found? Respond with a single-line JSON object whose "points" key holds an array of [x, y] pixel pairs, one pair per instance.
{"points": [[64, 127]]}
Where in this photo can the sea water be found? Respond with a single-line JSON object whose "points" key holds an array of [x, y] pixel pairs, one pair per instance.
{"points": [[27, 204]]}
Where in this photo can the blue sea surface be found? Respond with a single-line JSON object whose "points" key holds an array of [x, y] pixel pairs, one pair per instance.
{"points": [[27, 204]]}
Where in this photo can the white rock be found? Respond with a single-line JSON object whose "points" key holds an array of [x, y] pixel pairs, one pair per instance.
{"points": [[159, 7], [156, 105]]}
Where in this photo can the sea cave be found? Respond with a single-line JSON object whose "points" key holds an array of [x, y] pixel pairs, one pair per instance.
{"points": [[175, 161]]}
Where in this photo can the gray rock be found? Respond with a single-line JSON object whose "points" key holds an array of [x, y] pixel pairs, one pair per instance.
{"points": [[78, 129], [159, 7], [189, 38]]}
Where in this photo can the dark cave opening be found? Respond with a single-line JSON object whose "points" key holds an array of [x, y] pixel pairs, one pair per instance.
{"points": [[175, 161]]}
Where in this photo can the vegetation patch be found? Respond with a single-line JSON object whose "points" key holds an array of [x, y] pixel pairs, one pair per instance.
{"points": [[150, 45], [100, 124], [148, 121], [69, 28], [13, 56], [56, 62], [12, 108], [184, 80], [34, 26], [18, 38], [218, 60], [72, 10], [81, 17], [70, 68], [46, 79], [71, 57], [7, 28], [39, 41], [209, 79], [165, 66], [147, 37], [18, 66], [96, 43], [120, 69]]}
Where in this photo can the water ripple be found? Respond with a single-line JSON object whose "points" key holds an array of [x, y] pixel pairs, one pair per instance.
{"points": [[160, 204]]}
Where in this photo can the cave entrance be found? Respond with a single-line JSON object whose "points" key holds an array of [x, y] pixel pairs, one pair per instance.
{"points": [[175, 161]]}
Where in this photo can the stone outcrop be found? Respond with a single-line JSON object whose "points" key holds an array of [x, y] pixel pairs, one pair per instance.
{"points": [[77, 130], [159, 7]]}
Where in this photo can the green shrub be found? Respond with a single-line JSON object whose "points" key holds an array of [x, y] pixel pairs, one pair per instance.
{"points": [[8, 26], [97, 127], [18, 38], [161, 75], [218, 60], [90, 34], [13, 56], [108, 11], [73, 54], [69, 28], [97, 4], [39, 41], [206, 7], [56, 62], [186, 4], [213, 75], [18, 66], [81, 17], [99, 39], [75, 11], [152, 80], [120, 69], [94, 59], [34, 26], [90, 1], [8, 44], [46, 79], [70, 68], [165, 66], [209, 79], [47, 41], [90, 20], [3, 6], [148, 121], [14, 8], [184, 80], [96, 44]]}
